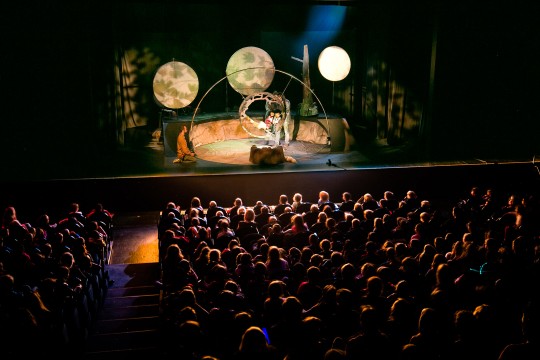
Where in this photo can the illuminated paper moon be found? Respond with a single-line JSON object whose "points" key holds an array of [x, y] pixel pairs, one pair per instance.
{"points": [[175, 85], [250, 70], [334, 63]]}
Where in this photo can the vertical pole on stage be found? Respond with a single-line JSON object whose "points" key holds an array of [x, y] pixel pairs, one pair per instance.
{"points": [[227, 97]]}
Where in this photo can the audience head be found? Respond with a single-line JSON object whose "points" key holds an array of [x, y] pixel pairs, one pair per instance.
{"points": [[324, 196], [249, 215], [238, 202], [253, 341]]}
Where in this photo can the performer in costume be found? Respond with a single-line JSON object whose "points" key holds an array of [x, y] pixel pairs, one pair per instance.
{"points": [[287, 121], [279, 124], [184, 153], [269, 122]]}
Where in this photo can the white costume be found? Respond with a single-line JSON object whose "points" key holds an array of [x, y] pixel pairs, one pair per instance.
{"points": [[274, 132]]}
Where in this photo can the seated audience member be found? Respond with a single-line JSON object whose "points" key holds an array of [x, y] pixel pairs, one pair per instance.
{"points": [[177, 271], [213, 220], [257, 207], [76, 213], [347, 203], [358, 211], [310, 291], [282, 204], [368, 202], [311, 216], [285, 219], [297, 233], [530, 345], [171, 207], [10, 215], [392, 202], [102, 216], [169, 238], [194, 213], [262, 218], [235, 219], [276, 265], [246, 227], [319, 226], [97, 241], [196, 204], [213, 208], [276, 236], [371, 342], [324, 199], [299, 205], [223, 234], [266, 228], [74, 220], [233, 211], [170, 221], [254, 345]]}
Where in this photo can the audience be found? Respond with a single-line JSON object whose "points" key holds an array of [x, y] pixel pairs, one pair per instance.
{"points": [[388, 279], [53, 275]]}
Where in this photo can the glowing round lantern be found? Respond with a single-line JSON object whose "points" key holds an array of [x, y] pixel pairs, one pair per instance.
{"points": [[334, 63]]}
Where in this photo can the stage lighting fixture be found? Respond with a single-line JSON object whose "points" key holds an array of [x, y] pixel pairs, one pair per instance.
{"points": [[334, 63]]}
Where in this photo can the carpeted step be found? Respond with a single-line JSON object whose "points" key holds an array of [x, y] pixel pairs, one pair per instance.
{"points": [[128, 322], [117, 313], [123, 354], [133, 275], [114, 291], [110, 326], [121, 341], [130, 301]]}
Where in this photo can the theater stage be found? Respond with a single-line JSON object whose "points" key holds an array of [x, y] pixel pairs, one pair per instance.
{"points": [[145, 178], [222, 142], [149, 187], [234, 156]]}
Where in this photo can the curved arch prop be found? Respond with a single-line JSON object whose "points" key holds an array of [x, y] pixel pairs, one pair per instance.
{"points": [[327, 127], [267, 97]]}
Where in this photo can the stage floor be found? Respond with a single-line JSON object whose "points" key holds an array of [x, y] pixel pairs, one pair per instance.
{"points": [[148, 159], [233, 155], [143, 179]]}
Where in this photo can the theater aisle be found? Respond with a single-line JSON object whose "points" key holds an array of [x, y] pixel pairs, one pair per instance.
{"points": [[135, 238]]}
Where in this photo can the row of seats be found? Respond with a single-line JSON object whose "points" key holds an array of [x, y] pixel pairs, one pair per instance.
{"points": [[53, 279], [391, 278]]}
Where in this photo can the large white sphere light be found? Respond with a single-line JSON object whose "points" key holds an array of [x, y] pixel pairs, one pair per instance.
{"points": [[334, 63]]}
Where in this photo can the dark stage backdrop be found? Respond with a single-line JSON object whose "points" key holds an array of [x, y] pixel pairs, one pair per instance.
{"points": [[442, 80]]}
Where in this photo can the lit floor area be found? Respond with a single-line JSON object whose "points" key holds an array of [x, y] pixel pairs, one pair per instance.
{"points": [[135, 238]]}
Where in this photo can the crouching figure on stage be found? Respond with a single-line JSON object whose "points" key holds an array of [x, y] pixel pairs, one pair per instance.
{"points": [[183, 152], [267, 155]]}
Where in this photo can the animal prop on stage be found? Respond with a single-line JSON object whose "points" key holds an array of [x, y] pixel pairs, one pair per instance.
{"points": [[267, 155]]}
